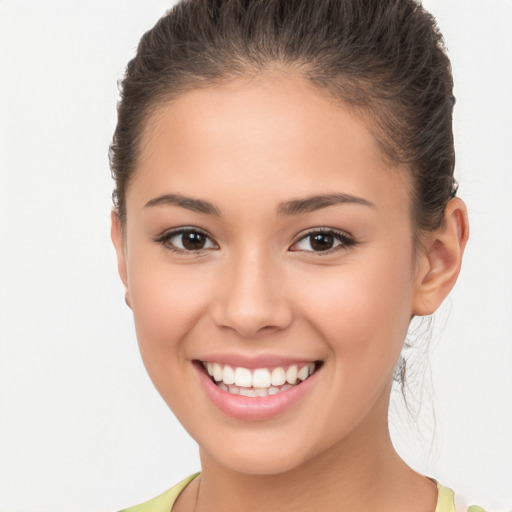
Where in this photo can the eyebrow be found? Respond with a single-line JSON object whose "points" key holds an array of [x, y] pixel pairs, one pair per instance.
{"points": [[294, 207], [195, 205], [310, 204]]}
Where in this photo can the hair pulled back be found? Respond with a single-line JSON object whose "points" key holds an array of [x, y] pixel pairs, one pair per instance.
{"points": [[385, 57]]}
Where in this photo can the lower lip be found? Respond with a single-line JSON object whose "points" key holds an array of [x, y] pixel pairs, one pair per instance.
{"points": [[254, 408]]}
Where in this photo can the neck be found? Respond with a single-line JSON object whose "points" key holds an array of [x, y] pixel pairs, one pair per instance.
{"points": [[363, 472]]}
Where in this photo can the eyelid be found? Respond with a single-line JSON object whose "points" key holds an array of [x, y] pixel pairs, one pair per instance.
{"points": [[346, 240], [164, 238]]}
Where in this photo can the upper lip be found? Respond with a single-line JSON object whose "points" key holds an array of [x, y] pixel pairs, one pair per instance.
{"points": [[255, 361]]}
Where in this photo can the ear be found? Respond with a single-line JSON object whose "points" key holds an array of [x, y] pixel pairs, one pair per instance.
{"points": [[440, 262], [117, 239]]}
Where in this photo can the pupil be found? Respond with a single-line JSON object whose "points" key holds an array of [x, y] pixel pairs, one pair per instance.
{"points": [[322, 242], [193, 241]]}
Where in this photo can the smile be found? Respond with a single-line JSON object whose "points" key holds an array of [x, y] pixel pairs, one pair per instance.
{"points": [[258, 382]]}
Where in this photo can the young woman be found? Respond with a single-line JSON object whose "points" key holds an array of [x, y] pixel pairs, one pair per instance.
{"points": [[284, 206]]}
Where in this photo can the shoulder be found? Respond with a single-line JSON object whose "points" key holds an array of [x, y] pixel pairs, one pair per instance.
{"points": [[163, 502], [446, 502]]}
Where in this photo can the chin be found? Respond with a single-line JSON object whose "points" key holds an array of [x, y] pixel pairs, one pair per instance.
{"points": [[269, 463], [267, 456]]}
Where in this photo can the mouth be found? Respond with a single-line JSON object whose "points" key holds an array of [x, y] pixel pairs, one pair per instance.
{"points": [[259, 382]]}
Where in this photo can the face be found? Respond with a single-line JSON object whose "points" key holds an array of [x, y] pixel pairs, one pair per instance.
{"points": [[269, 244]]}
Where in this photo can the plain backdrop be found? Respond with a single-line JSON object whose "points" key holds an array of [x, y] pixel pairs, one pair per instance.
{"points": [[81, 427]]}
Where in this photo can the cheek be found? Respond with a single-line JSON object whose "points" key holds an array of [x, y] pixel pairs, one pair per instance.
{"points": [[362, 310], [168, 302]]}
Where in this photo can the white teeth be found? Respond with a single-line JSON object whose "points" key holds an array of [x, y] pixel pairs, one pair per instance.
{"points": [[260, 381], [303, 373], [243, 377], [248, 392], [253, 392], [278, 376], [228, 375], [217, 372], [291, 374], [261, 378]]}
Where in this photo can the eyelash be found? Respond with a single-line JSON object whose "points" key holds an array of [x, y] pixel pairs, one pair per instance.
{"points": [[167, 236], [344, 240]]}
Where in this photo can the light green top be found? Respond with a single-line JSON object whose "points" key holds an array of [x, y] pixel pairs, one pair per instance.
{"points": [[165, 501]]}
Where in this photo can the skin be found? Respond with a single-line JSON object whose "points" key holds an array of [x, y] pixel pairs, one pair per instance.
{"points": [[258, 288]]}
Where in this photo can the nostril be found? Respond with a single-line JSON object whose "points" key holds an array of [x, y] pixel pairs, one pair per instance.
{"points": [[251, 300]]}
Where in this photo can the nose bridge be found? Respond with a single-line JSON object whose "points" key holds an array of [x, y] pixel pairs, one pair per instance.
{"points": [[253, 299]]}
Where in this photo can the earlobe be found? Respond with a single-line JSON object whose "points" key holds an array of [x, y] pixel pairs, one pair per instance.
{"points": [[441, 259], [117, 239]]}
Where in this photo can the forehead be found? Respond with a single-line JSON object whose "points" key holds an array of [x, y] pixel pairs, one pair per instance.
{"points": [[276, 135]]}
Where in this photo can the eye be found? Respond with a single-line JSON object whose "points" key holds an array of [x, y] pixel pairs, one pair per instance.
{"points": [[187, 240], [322, 241]]}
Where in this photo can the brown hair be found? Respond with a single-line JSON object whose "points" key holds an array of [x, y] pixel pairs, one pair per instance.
{"points": [[385, 57]]}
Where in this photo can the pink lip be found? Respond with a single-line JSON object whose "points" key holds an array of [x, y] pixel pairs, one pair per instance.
{"points": [[254, 408]]}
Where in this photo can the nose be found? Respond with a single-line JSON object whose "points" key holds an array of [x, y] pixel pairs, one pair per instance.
{"points": [[251, 298]]}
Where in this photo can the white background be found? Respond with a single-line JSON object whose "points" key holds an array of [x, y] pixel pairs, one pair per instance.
{"points": [[81, 427]]}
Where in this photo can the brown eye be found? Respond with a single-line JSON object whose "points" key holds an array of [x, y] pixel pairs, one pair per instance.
{"points": [[192, 241], [187, 240], [322, 241]]}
